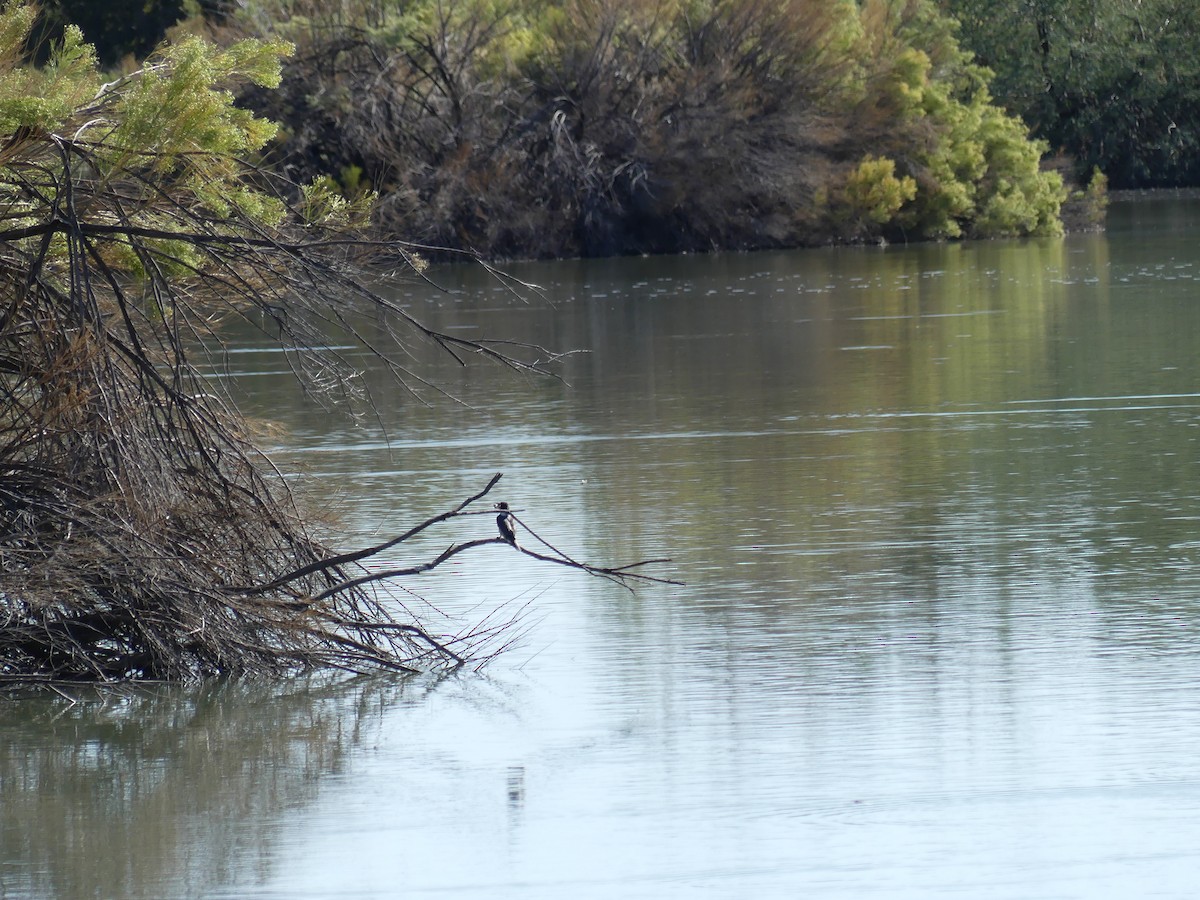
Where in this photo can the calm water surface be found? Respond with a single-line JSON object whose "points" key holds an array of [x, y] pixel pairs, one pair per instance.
{"points": [[936, 508]]}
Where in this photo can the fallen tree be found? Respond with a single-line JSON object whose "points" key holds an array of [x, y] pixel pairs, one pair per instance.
{"points": [[143, 534]]}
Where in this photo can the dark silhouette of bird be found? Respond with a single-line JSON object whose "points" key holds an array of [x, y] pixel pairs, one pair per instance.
{"points": [[507, 524]]}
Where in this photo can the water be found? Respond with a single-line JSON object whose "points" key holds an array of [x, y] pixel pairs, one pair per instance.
{"points": [[936, 510]]}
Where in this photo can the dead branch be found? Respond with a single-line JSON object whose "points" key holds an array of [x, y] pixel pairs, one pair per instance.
{"points": [[620, 574]]}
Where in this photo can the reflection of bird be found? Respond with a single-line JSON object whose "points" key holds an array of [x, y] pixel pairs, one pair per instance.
{"points": [[516, 786], [507, 524]]}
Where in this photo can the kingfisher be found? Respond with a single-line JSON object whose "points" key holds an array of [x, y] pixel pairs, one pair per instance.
{"points": [[506, 522]]}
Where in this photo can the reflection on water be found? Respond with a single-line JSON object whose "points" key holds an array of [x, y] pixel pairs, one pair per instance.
{"points": [[936, 508], [167, 791]]}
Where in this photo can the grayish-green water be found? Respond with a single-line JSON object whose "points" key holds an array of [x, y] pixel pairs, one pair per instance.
{"points": [[936, 508]]}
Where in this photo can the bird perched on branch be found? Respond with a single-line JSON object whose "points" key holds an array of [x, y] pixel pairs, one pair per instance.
{"points": [[506, 522]]}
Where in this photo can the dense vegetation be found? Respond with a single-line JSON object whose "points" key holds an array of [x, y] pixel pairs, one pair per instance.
{"points": [[142, 533], [117, 29], [1111, 84], [1108, 85], [595, 127]]}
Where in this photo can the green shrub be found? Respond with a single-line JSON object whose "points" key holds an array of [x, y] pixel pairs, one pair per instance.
{"points": [[871, 197], [600, 127]]}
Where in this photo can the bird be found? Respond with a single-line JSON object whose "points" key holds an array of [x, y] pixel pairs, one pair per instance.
{"points": [[506, 522]]}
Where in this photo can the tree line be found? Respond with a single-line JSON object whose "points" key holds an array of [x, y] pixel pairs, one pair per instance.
{"points": [[1113, 85], [600, 127], [603, 127], [581, 120]]}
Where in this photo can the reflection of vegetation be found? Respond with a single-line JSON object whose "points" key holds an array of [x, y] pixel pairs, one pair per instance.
{"points": [[526, 128], [166, 791], [856, 398]]}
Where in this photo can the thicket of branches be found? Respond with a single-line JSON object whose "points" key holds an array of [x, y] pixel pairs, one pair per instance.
{"points": [[142, 533], [599, 127]]}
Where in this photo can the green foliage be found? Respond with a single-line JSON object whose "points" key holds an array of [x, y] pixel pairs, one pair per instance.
{"points": [[1086, 207], [875, 192], [1015, 196], [978, 173], [41, 98], [496, 35], [1096, 192], [117, 28], [530, 128], [352, 182], [323, 204], [1111, 84], [171, 129], [871, 196], [176, 108]]}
